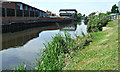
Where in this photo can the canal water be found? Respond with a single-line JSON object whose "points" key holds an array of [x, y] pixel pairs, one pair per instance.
{"points": [[23, 46]]}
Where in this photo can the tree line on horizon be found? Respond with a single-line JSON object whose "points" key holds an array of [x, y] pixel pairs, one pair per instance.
{"points": [[114, 9]]}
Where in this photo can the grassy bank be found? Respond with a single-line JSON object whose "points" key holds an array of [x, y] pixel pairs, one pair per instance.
{"points": [[95, 51], [101, 54]]}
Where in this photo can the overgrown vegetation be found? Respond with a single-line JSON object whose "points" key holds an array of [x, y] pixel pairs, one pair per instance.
{"points": [[101, 54], [79, 18], [59, 50], [96, 23]]}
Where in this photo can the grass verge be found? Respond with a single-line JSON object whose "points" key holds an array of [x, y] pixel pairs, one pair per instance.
{"points": [[101, 54]]}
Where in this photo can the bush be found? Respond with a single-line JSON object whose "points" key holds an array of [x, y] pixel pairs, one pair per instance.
{"points": [[95, 24], [54, 55]]}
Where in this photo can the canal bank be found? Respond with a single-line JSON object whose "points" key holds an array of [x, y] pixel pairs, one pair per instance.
{"points": [[41, 22], [101, 54], [65, 53]]}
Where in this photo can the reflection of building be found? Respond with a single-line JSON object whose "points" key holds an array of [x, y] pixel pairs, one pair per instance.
{"points": [[18, 38], [48, 13], [72, 13], [18, 11], [71, 27], [119, 5]]}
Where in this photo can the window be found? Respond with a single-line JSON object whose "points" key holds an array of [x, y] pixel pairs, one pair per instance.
{"points": [[19, 13], [26, 13], [62, 11], [25, 7], [33, 9], [30, 8], [40, 14], [37, 10], [31, 14], [10, 12], [3, 12], [44, 14], [20, 5], [36, 14]]}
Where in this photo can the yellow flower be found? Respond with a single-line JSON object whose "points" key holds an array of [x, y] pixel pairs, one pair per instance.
{"points": [[98, 61]]}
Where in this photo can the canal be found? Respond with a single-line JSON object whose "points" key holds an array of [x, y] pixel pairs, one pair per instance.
{"points": [[23, 46]]}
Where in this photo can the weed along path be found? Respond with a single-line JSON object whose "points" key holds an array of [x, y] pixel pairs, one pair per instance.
{"points": [[101, 54]]}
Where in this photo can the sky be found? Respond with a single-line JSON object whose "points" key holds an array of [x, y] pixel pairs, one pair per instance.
{"points": [[82, 6]]}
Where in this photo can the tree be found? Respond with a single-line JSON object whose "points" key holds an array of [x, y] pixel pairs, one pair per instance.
{"points": [[79, 16], [84, 15], [114, 9], [102, 14], [92, 14], [108, 13]]}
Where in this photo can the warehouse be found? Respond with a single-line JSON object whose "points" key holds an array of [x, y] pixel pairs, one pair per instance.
{"points": [[18, 11]]}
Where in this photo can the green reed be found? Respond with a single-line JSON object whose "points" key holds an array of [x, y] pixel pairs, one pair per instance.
{"points": [[58, 51]]}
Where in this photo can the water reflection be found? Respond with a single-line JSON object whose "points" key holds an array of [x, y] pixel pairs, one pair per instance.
{"points": [[24, 46], [69, 28], [19, 38]]}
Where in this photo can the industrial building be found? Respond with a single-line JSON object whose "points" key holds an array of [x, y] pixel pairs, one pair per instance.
{"points": [[18, 11], [68, 13], [18, 16]]}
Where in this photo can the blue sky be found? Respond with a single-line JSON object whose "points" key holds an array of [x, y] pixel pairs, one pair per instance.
{"points": [[82, 6]]}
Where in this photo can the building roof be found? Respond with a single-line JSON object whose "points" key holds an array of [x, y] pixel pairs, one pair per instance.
{"points": [[24, 4], [113, 13], [68, 10]]}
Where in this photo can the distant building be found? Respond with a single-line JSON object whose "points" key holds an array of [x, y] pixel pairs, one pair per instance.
{"points": [[119, 5], [114, 16], [71, 13], [48, 13]]}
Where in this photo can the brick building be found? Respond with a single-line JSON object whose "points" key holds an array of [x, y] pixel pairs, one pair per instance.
{"points": [[18, 11]]}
